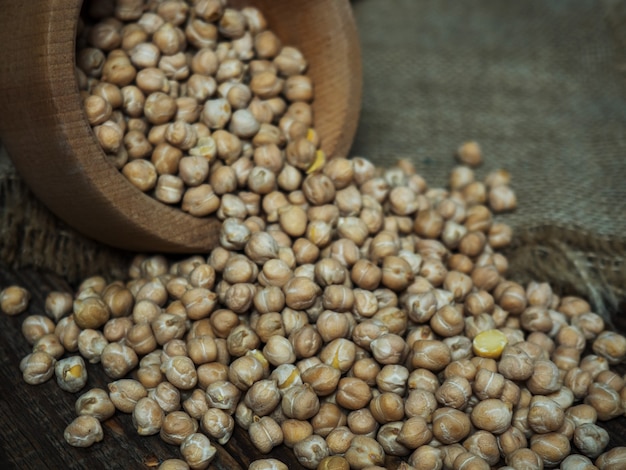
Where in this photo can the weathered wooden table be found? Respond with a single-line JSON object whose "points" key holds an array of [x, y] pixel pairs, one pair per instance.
{"points": [[32, 418]]}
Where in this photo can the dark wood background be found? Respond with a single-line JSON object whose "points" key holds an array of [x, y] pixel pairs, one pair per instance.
{"points": [[32, 418]]}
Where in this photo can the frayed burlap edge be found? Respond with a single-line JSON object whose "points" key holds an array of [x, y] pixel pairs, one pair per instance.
{"points": [[573, 261], [31, 236]]}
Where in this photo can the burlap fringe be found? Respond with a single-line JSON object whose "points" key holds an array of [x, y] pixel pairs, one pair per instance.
{"points": [[31, 236], [574, 261]]}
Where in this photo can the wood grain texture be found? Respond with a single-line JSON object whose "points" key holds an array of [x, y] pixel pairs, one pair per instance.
{"points": [[52, 146]]}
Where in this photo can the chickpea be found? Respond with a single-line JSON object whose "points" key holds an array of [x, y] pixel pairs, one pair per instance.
{"points": [[612, 459], [197, 451], [353, 393], [590, 439], [524, 458], [545, 378], [268, 464], [387, 407], [71, 373], [450, 425], [492, 415], [265, 433], [339, 439], [454, 392], [84, 431], [364, 451], [311, 451], [323, 379], [511, 440], [329, 417], [300, 402], [217, 424], [611, 346], [544, 415], [430, 354], [605, 400], [551, 447], [426, 457], [37, 367]]}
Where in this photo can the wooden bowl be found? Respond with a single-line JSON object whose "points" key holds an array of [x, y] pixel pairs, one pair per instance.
{"points": [[43, 127]]}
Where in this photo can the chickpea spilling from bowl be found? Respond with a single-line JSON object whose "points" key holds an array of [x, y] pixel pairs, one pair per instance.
{"points": [[197, 104], [360, 317]]}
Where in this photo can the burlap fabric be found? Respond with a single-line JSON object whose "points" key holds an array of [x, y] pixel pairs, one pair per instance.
{"points": [[538, 83]]}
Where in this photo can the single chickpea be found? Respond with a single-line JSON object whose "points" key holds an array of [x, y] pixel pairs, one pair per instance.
{"points": [[263, 397], [430, 354], [84, 431], [118, 359], [426, 457], [469, 153], [147, 417], [125, 393], [613, 458], [339, 439], [489, 343], [590, 439], [50, 344], [515, 364], [389, 348], [35, 327], [279, 350], [290, 61], [611, 346], [180, 371], [176, 427], [612, 379], [450, 425], [141, 173], [197, 451], [311, 451], [96, 403], [329, 417], [71, 373], [524, 458], [209, 373], [267, 464], [265, 433], [552, 447], [502, 198], [461, 368], [300, 402], [217, 424], [492, 415], [117, 69], [387, 407], [223, 395], [605, 400], [37, 367], [364, 451], [594, 364], [545, 379], [511, 440]]}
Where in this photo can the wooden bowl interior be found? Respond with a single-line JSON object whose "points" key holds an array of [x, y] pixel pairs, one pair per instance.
{"points": [[53, 148]]}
